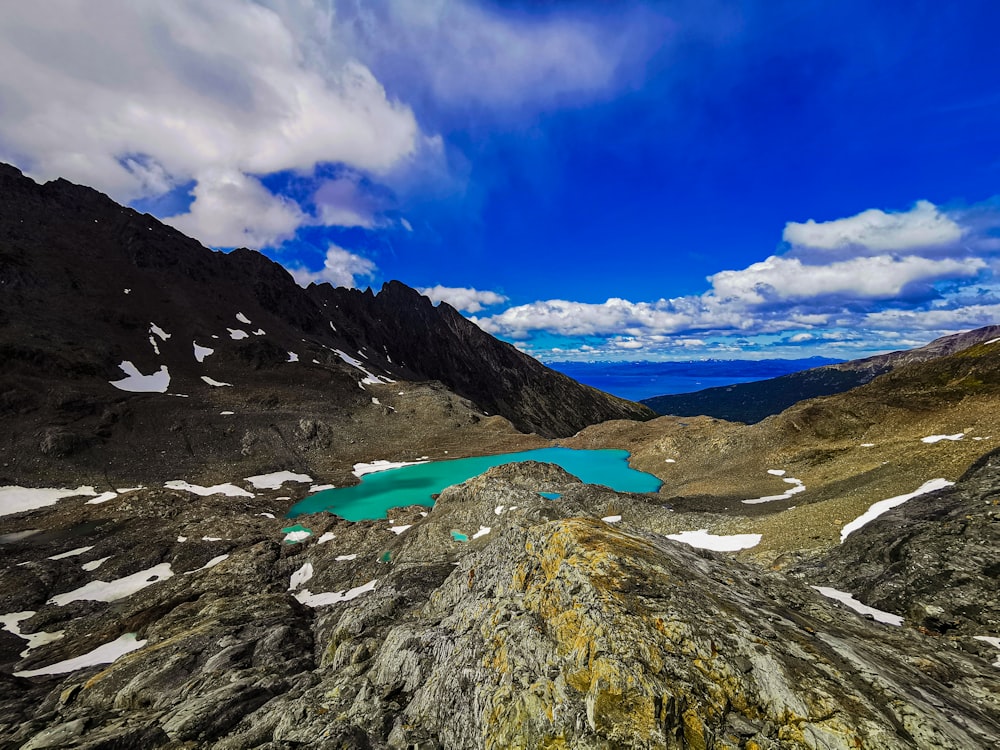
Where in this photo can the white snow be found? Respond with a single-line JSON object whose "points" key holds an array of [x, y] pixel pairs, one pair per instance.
{"points": [[200, 352], [111, 591], [293, 357], [327, 537], [939, 438], [136, 382], [868, 445], [12, 624], [230, 490], [844, 598], [356, 363], [155, 329], [797, 487], [211, 539], [104, 654], [341, 558], [242, 318], [236, 334], [210, 564], [72, 553], [321, 487], [877, 509], [259, 332], [991, 341], [397, 530], [611, 519], [720, 543], [376, 401], [17, 499], [670, 461], [297, 536], [226, 413], [483, 531], [104, 497], [380, 465], [156, 347], [994, 642], [215, 383], [95, 564], [127, 291], [300, 576], [267, 515], [182, 539], [333, 597], [777, 472], [275, 479]]}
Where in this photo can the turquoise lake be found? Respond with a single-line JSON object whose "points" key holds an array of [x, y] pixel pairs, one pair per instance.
{"points": [[415, 485]]}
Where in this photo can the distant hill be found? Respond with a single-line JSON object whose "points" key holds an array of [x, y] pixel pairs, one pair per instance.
{"points": [[752, 402]]}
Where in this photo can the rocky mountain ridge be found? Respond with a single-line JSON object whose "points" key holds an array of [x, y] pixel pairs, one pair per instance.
{"points": [[92, 292]]}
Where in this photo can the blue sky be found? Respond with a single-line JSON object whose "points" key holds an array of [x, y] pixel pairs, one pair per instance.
{"points": [[591, 180]]}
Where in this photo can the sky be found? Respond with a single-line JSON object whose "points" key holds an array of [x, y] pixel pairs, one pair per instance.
{"points": [[588, 180]]}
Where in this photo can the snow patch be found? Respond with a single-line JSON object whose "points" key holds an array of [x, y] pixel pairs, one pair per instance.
{"points": [[267, 515], [105, 496], [361, 469], [483, 531], [777, 472], [720, 543], [994, 642], [327, 537], [369, 379], [215, 383], [300, 576], [611, 519], [275, 479], [230, 490], [236, 334], [259, 332], [12, 624], [939, 438], [111, 591], [293, 357], [844, 598], [200, 352], [157, 331], [136, 382], [341, 558], [104, 654], [397, 530], [95, 564], [321, 487], [797, 487], [877, 509], [72, 553], [333, 597], [242, 318], [210, 564], [17, 499], [226, 413]]}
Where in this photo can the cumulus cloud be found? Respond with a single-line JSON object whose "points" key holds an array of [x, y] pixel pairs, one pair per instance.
{"points": [[342, 202], [872, 272], [139, 98], [463, 298], [340, 268], [924, 225], [232, 209], [881, 277]]}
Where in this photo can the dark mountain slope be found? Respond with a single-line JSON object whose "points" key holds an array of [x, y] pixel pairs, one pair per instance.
{"points": [[752, 402], [86, 285]]}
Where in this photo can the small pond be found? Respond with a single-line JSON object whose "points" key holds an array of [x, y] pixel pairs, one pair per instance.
{"points": [[416, 484]]}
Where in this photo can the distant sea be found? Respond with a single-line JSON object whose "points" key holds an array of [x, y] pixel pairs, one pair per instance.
{"points": [[639, 380]]}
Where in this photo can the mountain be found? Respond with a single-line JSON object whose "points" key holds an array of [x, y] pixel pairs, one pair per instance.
{"points": [[92, 291], [752, 402]]}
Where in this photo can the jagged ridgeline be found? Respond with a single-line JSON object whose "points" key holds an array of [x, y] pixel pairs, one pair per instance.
{"points": [[88, 285]]}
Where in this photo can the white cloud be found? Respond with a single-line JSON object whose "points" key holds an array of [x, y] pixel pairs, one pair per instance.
{"points": [[463, 298], [783, 279], [231, 209], [924, 225], [800, 338], [342, 202], [340, 268], [138, 98]]}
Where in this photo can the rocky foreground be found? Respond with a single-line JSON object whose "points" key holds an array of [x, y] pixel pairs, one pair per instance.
{"points": [[549, 628]]}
